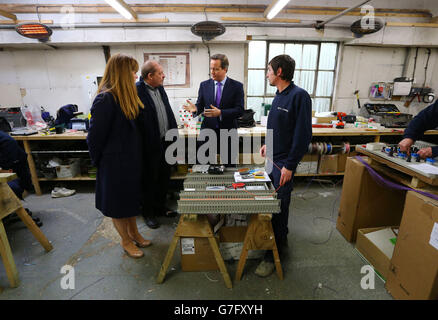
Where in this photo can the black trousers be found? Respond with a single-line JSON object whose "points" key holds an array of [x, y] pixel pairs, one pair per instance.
{"points": [[156, 180]]}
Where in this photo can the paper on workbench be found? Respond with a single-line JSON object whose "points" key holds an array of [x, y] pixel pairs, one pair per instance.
{"points": [[424, 167]]}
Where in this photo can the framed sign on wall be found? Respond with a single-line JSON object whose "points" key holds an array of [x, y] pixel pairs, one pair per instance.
{"points": [[176, 67]]}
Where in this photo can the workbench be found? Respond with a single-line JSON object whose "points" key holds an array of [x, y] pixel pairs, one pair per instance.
{"points": [[35, 144]]}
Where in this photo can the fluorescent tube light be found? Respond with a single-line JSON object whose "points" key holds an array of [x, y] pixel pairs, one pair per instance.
{"points": [[276, 8], [122, 8]]}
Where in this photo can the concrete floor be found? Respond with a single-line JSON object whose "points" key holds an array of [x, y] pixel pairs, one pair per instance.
{"points": [[86, 240]]}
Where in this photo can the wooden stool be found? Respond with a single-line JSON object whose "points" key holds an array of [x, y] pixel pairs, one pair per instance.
{"points": [[194, 226], [259, 236], [9, 203]]}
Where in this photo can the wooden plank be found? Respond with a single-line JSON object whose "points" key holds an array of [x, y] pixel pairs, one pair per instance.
{"points": [[8, 15], [412, 24], [62, 136], [167, 259], [8, 201], [6, 22], [32, 168], [8, 258], [30, 224], [198, 228], [249, 19], [7, 176], [220, 262], [158, 20]]}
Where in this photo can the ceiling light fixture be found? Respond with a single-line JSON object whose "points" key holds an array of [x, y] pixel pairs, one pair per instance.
{"points": [[275, 7], [123, 9]]}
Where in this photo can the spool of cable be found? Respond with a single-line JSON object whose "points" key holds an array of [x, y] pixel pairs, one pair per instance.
{"points": [[309, 149], [344, 147], [329, 148], [325, 148], [347, 145]]}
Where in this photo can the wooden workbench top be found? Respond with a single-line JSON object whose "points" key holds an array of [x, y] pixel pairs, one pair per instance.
{"points": [[255, 131]]}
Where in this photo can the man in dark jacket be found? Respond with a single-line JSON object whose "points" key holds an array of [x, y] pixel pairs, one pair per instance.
{"points": [[13, 157], [427, 119], [220, 99], [156, 119], [290, 120]]}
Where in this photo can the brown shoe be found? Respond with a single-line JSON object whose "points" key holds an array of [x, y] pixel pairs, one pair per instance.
{"points": [[143, 243], [132, 251]]}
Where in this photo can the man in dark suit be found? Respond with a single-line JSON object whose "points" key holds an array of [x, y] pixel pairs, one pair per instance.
{"points": [[220, 99], [154, 121]]}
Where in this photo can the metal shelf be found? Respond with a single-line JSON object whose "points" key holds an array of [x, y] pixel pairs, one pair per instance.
{"points": [[79, 178], [61, 151]]}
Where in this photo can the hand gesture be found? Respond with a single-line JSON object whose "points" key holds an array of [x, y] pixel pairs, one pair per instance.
{"points": [[213, 112], [190, 107]]}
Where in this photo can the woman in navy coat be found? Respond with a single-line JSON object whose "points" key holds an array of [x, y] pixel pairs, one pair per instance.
{"points": [[115, 146]]}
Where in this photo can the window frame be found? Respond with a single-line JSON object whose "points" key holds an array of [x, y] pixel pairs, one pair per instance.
{"points": [[313, 96]]}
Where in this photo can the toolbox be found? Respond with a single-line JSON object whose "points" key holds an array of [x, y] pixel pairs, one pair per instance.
{"points": [[388, 115]]}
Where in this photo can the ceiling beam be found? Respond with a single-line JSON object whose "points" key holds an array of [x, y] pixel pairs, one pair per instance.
{"points": [[3, 22], [8, 15], [249, 19], [155, 8], [158, 20], [412, 24]]}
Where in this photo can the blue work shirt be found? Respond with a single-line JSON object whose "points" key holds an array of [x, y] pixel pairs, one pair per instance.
{"points": [[290, 118], [427, 119]]}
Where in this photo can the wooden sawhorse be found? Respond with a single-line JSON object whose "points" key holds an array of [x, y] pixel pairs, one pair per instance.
{"points": [[9, 203], [259, 236], [194, 226]]}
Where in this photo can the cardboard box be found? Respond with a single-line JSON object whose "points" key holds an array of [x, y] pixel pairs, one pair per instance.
{"points": [[231, 243], [366, 204], [377, 246], [414, 265], [197, 255], [308, 164], [328, 163], [342, 160]]}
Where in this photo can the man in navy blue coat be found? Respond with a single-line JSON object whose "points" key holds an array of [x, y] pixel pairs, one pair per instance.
{"points": [[427, 119], [220, 99], [155, 120], [13, 157], [290, 120]]}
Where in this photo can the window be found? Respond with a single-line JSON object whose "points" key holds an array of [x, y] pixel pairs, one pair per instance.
{"points": [[315, 64]]}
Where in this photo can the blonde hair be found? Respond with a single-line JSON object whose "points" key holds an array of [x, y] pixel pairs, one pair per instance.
{"points": [[118, 80]]}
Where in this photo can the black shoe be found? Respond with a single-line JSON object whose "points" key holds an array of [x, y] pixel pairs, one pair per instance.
{"points": [[152, 222]]}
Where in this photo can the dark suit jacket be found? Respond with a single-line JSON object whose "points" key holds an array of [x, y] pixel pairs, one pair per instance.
{"points": [[114, 146], [151, 119], [231, 105]]}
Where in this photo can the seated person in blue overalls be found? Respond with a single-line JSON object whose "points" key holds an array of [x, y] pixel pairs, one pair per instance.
{"points": [[14, 159]]}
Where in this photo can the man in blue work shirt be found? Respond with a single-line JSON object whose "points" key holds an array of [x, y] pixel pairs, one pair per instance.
{"points": [[427, 119], [290, 120]]}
